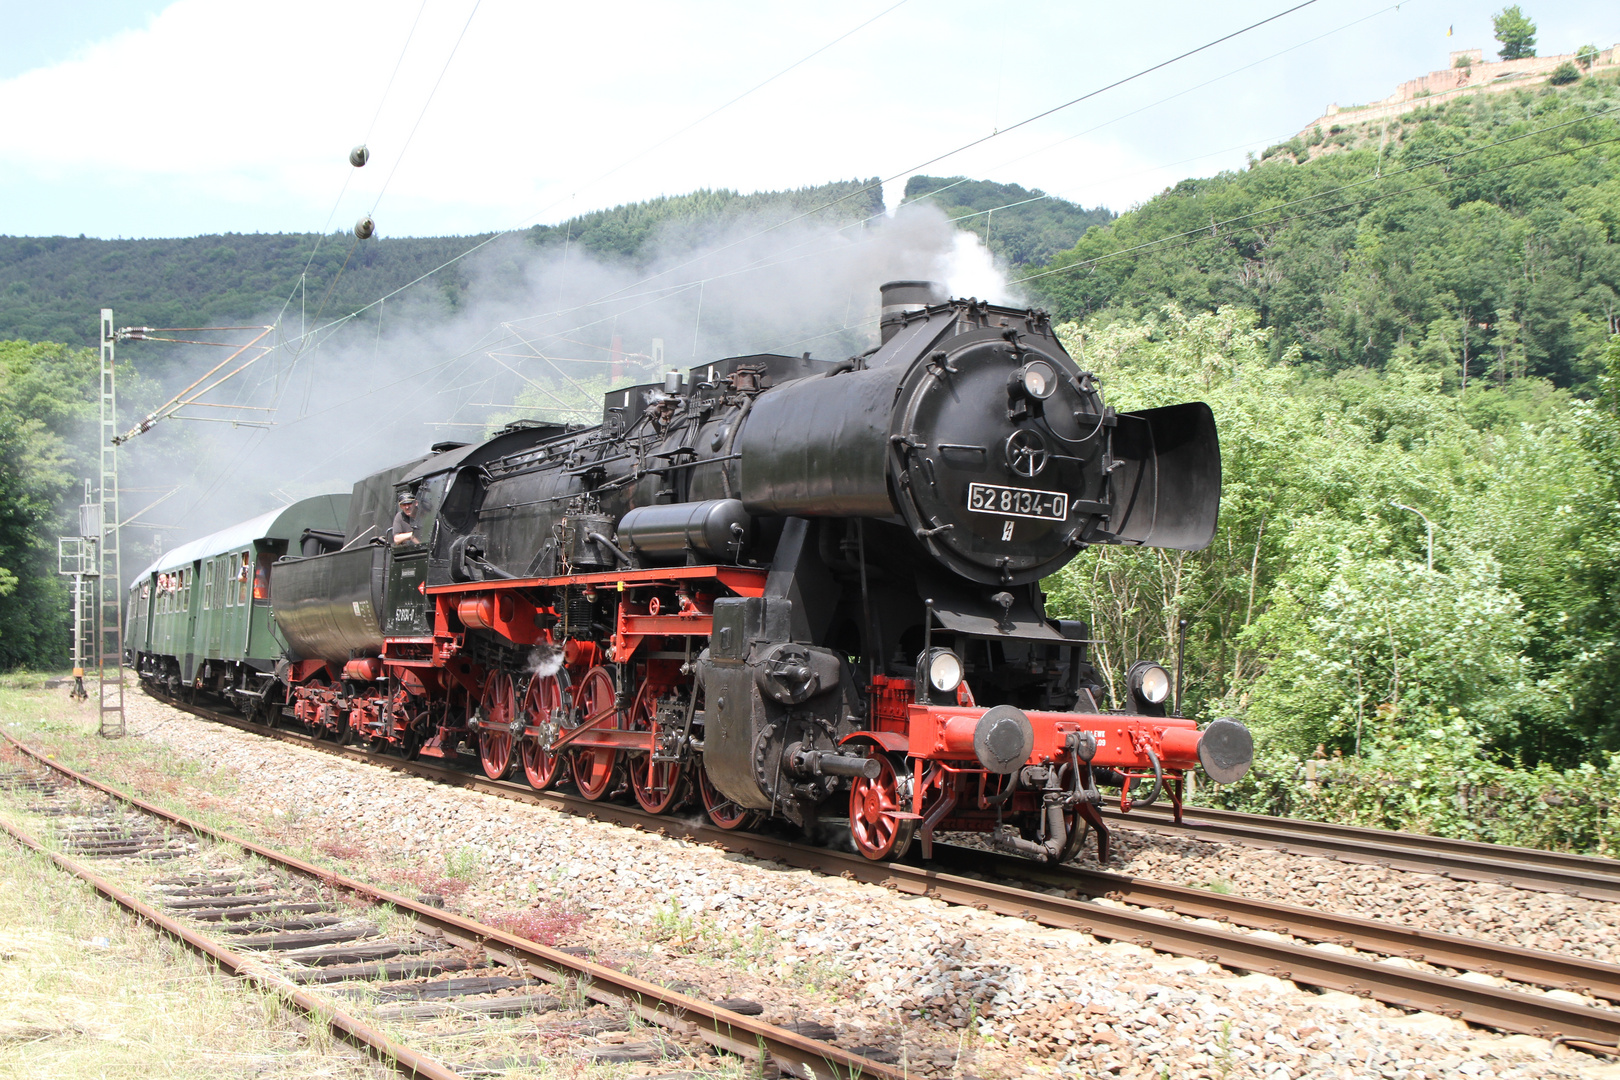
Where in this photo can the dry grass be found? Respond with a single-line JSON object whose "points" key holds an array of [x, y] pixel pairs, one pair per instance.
{"points": [[141, 1006], [88, 991]]}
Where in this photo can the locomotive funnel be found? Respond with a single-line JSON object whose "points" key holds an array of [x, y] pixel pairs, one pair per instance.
{"points": [[901, 298]]}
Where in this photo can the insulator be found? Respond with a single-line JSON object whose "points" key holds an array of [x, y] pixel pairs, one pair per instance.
{"points": [[359, 156], [364, 228]]}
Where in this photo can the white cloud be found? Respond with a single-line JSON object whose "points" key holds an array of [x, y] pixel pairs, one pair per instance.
{"points": [[230, 116]]}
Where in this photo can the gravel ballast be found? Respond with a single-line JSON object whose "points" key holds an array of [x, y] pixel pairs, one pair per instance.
{"points": [[949, 991]]}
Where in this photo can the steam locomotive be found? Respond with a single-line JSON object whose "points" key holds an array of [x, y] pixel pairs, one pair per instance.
{"points": [[776, 585]]}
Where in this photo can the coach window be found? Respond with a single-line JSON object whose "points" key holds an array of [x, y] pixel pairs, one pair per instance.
{"points": [[208, 586], [261, 576], [242, 575], [185, 588]]}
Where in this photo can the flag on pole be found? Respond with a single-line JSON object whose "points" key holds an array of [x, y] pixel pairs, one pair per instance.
{"points": [[1448, 30]]}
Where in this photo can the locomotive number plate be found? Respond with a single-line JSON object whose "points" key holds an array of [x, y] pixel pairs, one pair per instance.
{"points": [[1018, 502]]}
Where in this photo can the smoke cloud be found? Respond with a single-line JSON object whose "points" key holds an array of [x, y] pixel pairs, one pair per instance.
{"points": [[519, 331]]}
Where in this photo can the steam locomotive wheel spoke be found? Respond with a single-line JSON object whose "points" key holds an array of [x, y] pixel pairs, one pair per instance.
{"points": [[722, 812], [873, 806], [660, 786], [596, 703], [495, 741], [541, 705]]}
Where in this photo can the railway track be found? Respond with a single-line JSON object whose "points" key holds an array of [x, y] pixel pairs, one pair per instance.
{"points": [[1585, 876], [369, 963], [1216, 928]]}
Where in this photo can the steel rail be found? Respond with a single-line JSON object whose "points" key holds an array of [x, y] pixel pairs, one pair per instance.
{"points": [[1533, 966], [342, 1024], [1586, 876], [1490, 1006], [745, 1036]]}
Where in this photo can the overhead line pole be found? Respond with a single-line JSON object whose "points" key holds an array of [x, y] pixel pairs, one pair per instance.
{"points": [[109, 581]]}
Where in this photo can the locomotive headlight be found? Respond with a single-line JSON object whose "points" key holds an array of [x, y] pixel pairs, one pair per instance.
{"points": [[942, 668], [1039, 379], [1150, 682]]}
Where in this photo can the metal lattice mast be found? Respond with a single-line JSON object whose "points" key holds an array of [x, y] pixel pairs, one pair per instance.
{"points": [[76, 558], [109, 582]]}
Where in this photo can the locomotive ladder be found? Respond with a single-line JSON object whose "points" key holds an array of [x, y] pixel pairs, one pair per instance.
{"points": [[109, 582]]}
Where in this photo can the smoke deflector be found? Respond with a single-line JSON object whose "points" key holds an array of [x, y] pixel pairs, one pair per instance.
{"points": [[1169, 485]]}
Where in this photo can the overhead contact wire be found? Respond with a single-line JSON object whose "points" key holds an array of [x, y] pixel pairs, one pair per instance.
{"points": [[425, 105], [869, 187]]}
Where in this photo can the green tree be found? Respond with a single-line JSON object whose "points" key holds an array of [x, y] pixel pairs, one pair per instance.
{"points": [[1516, 33], [1564, 74], [1595, 679], [1586, 56], [45, 405], [1315, 615]]}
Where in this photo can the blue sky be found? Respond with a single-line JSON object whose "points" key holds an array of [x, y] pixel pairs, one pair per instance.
{"points": [[170, 119]]}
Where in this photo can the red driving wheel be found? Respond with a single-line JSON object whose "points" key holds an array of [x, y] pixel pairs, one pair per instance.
{"points": [[660, 786], [596, 705], [873, 806], [722, 812], [541, 705], [495, 740]]}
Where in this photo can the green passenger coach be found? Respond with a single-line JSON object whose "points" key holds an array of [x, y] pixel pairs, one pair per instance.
{"points": [[199, 616]]}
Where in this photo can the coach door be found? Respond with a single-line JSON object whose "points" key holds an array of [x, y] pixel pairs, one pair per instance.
{"points": [[189, 599], [212, 616]]}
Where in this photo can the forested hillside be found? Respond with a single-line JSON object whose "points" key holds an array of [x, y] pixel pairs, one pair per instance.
{"points": [[1329, 304], [51, 288], [1019, 225], [688, 221], [1476, 239]]}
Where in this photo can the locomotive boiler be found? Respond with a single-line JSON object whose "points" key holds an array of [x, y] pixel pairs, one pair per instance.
{"points": [[785, 587]]}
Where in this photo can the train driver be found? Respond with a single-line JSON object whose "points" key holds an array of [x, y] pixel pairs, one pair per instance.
{"points": [[405, 520]]}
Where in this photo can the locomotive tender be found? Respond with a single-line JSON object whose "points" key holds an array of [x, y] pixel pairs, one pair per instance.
{"points": [[776, 585]]}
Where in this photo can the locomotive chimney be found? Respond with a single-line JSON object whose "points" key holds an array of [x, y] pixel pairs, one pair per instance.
{"points": [[901, 298]]}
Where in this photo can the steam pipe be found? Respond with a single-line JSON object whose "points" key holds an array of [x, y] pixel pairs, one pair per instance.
{"points": [[597, 537]]}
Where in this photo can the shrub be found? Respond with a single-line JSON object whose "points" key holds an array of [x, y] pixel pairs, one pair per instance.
{"points": [[1564, 74], [1442, 781]]}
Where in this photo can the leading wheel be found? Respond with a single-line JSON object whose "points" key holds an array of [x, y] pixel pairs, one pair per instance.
{"points": [[495, 741], [874, 806], [542, 705], [660, 786], [721, 811], [596, 705]]}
